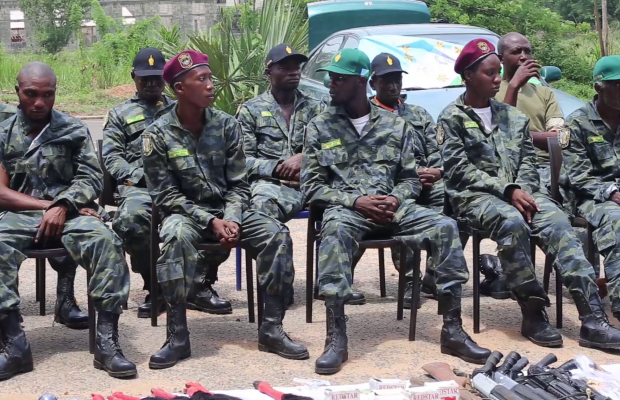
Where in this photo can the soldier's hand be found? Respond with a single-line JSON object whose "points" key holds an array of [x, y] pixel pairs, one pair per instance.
{"points": [[52, 224], [428, 176], [616, 198], [524, 203], [226, 232], [376, 208], [89, 212], [289, 168], [529, 69]]}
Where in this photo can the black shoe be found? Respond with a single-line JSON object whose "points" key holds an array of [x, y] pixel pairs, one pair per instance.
{"points": [[271, 335], [595, 329], [144, 310], [336, 351], [177, 346], [409, 296], [494, 283], [290, 298], [535, 325], [67, 312], [15, 354], [108, 354], [209, 301], [454, 340], [428, 283], [356, 298]]}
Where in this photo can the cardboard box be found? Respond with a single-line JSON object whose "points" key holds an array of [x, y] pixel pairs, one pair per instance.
{"points": [[342, 394], [435, 391], [388, 384]]}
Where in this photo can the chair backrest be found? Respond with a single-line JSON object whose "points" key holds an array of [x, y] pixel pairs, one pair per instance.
{"points": [[555, 155], [109, 184]]}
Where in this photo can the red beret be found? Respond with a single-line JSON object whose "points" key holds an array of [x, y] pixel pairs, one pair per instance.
{"points": [[473, 52], [183, 62]]}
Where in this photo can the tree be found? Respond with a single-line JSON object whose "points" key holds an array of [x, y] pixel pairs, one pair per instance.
{"points": [[55, 21]]}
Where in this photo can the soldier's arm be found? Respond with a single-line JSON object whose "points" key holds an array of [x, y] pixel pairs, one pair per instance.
{"points": [[256, 166], [315, 177], [461, 172], [554, 121], [527, 175], [238, 195], [87, 182], [430, 134], [114, 150], [11, 200], [162, 184], [579, 168], [408, 185]]}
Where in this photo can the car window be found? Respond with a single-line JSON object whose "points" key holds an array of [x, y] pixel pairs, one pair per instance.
{"points": [[322, 58], [351, 43]]}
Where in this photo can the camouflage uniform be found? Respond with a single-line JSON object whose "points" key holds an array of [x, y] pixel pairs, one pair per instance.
{"points": [[592, 164], [480, 167], [339, 166], [267, 141], [194, 181], [59, 165], [122, 156]]}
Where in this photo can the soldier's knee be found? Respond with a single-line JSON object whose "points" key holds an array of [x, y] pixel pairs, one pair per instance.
{"points": [[448, 225], [515, 225]]}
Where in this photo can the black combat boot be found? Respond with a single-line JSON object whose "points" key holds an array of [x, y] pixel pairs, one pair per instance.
{"points": [[271, 335], [356, 298], [336, 351], [454, 340], [206, 299], [494, 283], [177, 346], [108, 354], [15, 354], [144, 309], [409, 296], [595, 329], [428, 283], [67, 312], [535, 325]]}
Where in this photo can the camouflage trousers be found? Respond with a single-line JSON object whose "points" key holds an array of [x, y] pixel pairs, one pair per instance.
{"points": [[265, 238], [551, 230], [88, 241], [277, 200], [605, 218], [416, 227]]}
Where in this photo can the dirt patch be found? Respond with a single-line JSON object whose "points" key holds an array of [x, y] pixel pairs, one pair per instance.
{"points": [[123, 91]]}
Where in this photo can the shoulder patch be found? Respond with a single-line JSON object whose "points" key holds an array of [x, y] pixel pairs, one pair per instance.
{"points": [[135, 119], [331, 144], [440, 134], [147, 145], [596, 139], [178, 153], [266, 114], [564, 137], [471, 124]]}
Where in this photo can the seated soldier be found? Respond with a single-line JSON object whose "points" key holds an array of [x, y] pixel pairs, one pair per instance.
{"points": [[492, 182], [592, 164], [123, 159], [359, 161], [196, 174], [49, 180]]}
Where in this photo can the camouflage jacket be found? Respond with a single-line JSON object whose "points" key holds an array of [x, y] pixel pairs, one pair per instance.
{"points": [[339, 165], [427, 154], [478, 161], [202, 178], [591, 155], [124, 124], [7, 111], [58, 165], [266, 138]]}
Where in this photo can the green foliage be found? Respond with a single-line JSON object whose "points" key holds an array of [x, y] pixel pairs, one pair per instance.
{"points": [[582, 10], [105, 23]]}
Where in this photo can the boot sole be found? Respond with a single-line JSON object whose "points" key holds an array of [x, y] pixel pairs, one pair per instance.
{"points": [[428, 292], [592, 345], [450, 352], [331, 371], [223, 311], [24, 369], [408, 306], [497, 295], [557, 343], [119, 374], [78, 326], [267, 349], [171, 364], [356, 302], [148, 314]]}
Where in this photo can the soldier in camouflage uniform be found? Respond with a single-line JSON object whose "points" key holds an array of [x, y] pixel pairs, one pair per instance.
{"points": [[359, 161], [492, 183], [123, 159], [196, 174], [591, 158], [66, 312], [49, 180]]}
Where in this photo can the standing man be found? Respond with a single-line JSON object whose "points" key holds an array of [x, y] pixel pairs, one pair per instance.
{"points": [[49, 180], [66, 312], [591, 157], [492, 182], [123, 159], [196, 174], [359, 160]]}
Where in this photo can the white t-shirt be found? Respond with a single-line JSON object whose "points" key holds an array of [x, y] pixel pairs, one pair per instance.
{"points": [[486, 116], [360, 123]]}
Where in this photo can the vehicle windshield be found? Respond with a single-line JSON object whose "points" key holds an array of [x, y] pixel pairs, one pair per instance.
{"points": [[429, 59]]}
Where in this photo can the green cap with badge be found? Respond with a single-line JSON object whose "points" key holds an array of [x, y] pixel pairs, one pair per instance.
{"points": [[349, 62], [607, 69]]}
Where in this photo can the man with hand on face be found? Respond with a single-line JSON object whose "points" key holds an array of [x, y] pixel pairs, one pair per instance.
{"points": [[50, 179], [492, 182], [359, 160], [591, 158], [196, 174]]}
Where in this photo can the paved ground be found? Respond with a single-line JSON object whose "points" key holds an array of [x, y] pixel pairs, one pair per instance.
{"points": [[224, 348], [96, 128]]}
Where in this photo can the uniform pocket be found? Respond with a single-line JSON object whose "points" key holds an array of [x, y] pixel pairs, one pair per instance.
{"points": [[333, 156], [604, 237], [170, 270], [56, 164], [182, 163]]}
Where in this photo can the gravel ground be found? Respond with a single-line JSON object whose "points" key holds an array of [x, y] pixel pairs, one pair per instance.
{"points": [[225, 354]]}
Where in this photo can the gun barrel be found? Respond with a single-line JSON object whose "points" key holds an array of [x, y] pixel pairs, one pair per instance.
{"points": [[510, 360], [547, 360], [490, 365]]}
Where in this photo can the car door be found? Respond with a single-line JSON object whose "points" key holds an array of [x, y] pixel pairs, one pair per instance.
{"points": [[312, 80]]}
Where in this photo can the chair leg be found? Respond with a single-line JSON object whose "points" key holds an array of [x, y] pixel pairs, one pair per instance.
{"points": [[533, 252], [260, 298], [310, 268], [401, 285], [238, 268], [249, 278], [476, 275], [382, 271], [41, 268], [547, 273], [591, 247], [558, 298], [154, 282], [91, 316], [413, 318], [37, 289]]}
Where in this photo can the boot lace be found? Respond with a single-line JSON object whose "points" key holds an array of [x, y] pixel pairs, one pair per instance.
{"points": [[334, 335], [209, 289]]}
